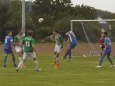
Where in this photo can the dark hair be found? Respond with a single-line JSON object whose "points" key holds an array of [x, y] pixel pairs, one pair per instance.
{"points": [[30, 33], [56, 31], [106, 33]]}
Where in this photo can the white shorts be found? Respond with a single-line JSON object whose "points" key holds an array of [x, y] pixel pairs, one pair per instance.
{"points": [[31, 55], [18, 49], [57, 48]]}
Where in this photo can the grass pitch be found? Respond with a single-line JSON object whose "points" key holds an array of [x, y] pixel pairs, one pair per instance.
{"points": [[78, 72]]}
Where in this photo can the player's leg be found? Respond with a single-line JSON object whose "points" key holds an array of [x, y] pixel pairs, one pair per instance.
{"points": [[5, 60], [6, 51], [34, 56], [20, 55], [68, 52], [57, 59], [104, 53], [109, 57], [57, 55], [19, 51], [21, 62], [14, 59]]}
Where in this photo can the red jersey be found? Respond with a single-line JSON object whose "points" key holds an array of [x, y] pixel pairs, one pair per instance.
{"points": [[101, 41]]}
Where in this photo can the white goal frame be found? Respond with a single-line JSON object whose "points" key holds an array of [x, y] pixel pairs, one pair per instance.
{"points": [[91, 20], [101, 21]]}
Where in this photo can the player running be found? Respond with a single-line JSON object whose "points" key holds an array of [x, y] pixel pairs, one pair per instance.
{"points": [[29, 51], [58, 46], [18, 44], [72, 44], [8, 49], [106, 51]]}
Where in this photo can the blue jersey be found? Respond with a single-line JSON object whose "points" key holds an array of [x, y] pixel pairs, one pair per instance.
{"points": [[7, 42], [107, 43], [72, 39]]}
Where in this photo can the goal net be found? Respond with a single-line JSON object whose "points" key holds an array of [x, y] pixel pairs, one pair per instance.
{"points": [[88, 34]]}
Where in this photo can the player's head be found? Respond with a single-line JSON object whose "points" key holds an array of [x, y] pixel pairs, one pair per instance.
{"points": [[102, 34], [21, 33], [9, 33], [105, 33], [55, 32], [69, 32], [30, 33]]}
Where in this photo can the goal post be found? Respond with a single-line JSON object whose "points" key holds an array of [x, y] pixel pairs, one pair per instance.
{"points": [[23, 16]]}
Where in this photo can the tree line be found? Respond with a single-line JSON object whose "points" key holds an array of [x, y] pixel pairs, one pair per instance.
{"points": [[56, 13]]}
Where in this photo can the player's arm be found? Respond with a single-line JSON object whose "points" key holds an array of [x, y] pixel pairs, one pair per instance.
{"points": [[61, 39], [72, 33], [12, 42], [100, 43], [68, 37], [15, 41], [52, 37]]}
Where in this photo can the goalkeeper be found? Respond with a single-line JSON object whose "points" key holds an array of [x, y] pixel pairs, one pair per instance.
{"points": [[106, 51], [101, 41]]}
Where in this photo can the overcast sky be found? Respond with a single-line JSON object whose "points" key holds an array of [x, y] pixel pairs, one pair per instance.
{"points": [[108, 5]]}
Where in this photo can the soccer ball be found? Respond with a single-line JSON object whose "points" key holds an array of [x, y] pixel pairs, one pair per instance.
{"points": [[40, 19]]}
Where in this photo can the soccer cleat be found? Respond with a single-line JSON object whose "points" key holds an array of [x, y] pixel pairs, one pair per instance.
{"points": [[17, 69], [38, 69], [99, 66], [58, 65], [4, 66]]}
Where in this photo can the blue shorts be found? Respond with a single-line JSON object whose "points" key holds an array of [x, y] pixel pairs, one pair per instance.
{"points": [[73, 45], [8, 51], [106, 52]]}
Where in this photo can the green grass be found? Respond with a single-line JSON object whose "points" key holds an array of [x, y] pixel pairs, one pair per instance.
{"points": [[78, 72]]}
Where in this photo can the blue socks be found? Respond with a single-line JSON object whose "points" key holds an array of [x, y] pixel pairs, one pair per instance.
{"points": [[110, 60], [102, 58], [5, 59], [68, 53], [13, 59]]}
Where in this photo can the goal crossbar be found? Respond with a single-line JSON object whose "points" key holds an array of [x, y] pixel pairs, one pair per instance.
{"points": [[93, 20]]}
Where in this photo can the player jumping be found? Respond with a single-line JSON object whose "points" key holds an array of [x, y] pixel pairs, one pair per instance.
{"points": [[58, 46], [72, 44], [29, 51], [106, 51], [8, 48]]}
